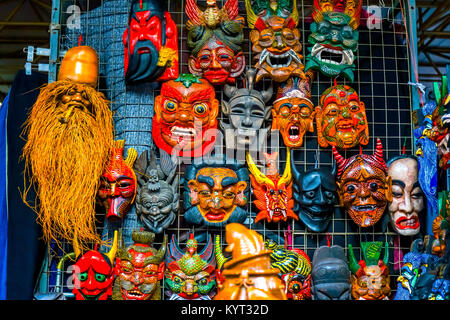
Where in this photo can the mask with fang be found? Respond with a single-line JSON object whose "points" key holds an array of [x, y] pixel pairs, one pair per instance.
{"points": [[151, 44], [190, 275], [185, 121], [139, 269], [273, 192], [275, 41], [215, 37], [157, 199], [364, 187], [118, 183], [215, 194], [246, 111], [334, 37], [341, 118], [370, 276], [94, 274], [293, 111]]}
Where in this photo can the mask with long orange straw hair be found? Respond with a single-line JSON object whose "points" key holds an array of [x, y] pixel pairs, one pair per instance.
{"points": [[69, 137]]}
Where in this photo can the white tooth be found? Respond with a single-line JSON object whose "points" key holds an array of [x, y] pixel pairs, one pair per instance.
{"points": [[263, 56], [271, 214], [316, 49], [293, 55]]}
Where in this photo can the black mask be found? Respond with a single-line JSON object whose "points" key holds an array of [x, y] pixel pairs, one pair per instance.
{"points": [[330, 274], [315, 196]]}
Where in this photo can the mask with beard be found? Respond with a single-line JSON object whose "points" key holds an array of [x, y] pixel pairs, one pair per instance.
{"points": [[275, 39], [139, 269], [157, 199], [69, 138], [151, 44]]}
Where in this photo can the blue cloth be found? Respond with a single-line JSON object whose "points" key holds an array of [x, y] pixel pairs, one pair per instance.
{"points": [[3, 204]]}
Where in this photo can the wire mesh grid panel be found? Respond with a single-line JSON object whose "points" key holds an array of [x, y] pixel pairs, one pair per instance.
{"points": [[381, 80]]}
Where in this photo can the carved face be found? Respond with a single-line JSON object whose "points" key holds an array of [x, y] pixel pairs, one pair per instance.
{"points": [[151, 44], [118, 183], [157, 199], [372, 284], [217, 63], [298, 287], [276, 45], [315, 192], [273, 192], [330, 274], [94, 275], [293, 117], [341, 118], [216, 192], [190, 275], [334, 44], [139, 268], [364, 186], [185, 116], [407, 197], [246, 111]]}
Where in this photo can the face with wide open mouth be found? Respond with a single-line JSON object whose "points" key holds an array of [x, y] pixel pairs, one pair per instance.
{"points": [[277, 50], [334, 44]]}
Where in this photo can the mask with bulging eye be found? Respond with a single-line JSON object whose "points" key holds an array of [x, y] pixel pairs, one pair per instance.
{"points": [[151, 44], [215, 194], [293, 111], [315, 194], [334, 37], [275, 40], [370, 276], [190, 275], [118, 183], [364, 187], [139, 268], [185, 120], [246, 111], [215, 37], [341, 118], [157, 199]]}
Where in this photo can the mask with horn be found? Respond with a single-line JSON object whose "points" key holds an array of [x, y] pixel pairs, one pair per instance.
{"points": [[370, 276], [293, 111], [94, 274], [185, 120], [215, 194], [334, 37], [275, 39], [69, 134], [215, 39], [139, 268], [190, 275], [364, 186], [150, 43], [248, 275], [157, 199], [273, 192], [341, 119], [118, 182], [315, 194], [246, 111]]}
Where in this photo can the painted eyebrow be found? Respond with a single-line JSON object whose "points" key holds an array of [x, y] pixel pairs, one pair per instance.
{"points": [[399, 182], [416, 185], [227, 181], [205, 179]]}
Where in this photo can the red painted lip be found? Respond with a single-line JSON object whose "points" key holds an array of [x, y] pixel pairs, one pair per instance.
{"points": [[218, 76], [185, 296], [413, 226], [215, 216], [331, 47], [345, 127]]}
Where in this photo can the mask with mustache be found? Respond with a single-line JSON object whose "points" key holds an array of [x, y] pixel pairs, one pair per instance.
{"points": [[151, 44], [69, 138]]}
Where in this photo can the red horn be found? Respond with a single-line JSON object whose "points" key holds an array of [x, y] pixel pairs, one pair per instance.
{"points": [[378, 154], [341, 162]]}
